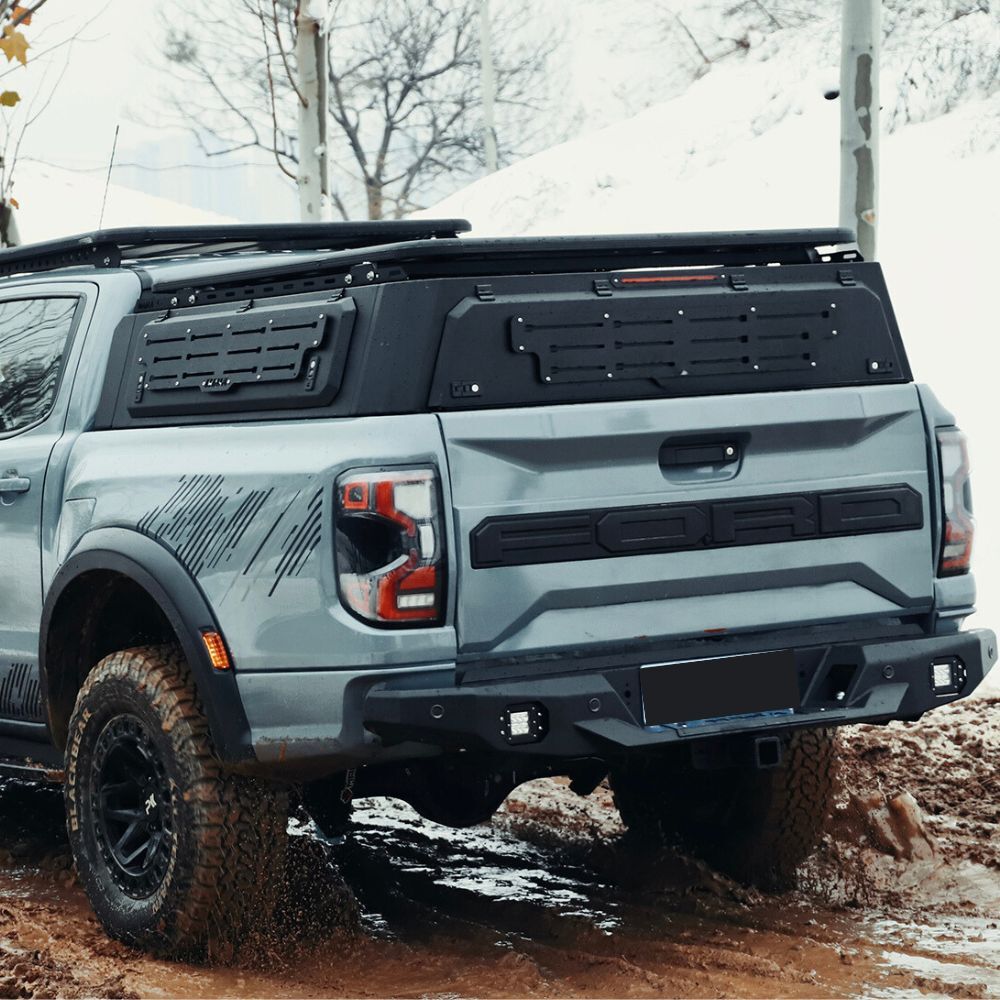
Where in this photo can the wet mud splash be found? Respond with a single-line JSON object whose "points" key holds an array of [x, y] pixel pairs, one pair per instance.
{"points": [[552, 899]]}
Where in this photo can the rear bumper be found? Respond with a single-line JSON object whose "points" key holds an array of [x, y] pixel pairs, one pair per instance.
{"points": [[600, 712]]}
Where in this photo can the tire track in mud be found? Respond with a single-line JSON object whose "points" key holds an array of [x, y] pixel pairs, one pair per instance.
{"points": [[553, 900]]}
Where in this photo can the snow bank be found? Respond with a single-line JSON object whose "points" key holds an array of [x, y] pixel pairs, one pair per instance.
{"points": [[56, 202]]}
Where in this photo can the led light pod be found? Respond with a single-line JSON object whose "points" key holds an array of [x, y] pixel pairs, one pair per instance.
{"points": [[390, 546]]}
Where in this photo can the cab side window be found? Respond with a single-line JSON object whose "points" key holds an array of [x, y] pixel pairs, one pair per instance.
{"points": [[33, 337]]}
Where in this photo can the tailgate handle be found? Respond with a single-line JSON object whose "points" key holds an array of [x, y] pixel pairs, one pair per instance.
{"points": [[709, 453]]}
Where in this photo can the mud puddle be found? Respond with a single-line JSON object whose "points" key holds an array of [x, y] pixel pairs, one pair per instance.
{"points": [[902, 899]]}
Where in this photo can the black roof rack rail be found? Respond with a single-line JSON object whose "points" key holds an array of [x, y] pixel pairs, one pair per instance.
{"points": [[109, 247], [527, 255]]}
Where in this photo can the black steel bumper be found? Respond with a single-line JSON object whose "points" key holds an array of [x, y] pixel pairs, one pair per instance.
{"points": [[600, 712]]}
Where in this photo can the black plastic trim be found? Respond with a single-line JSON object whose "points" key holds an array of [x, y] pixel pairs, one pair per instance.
{"points": [[166, 581], [609, 532]]}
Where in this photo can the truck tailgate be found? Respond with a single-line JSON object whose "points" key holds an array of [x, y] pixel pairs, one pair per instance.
{"points": [[610, 522]]}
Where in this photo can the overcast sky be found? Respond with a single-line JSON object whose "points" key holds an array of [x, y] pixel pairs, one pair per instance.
{"points": [[104, 78]]}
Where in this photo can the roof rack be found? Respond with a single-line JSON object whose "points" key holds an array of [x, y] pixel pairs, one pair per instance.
{"points": [[109, 247]]}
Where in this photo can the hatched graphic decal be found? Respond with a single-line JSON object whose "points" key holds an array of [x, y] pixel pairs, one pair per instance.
{"points": [[209, 525]]}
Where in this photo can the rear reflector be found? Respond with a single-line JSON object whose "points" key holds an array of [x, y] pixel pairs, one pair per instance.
{"points": [[958, 525], [390, 546]]}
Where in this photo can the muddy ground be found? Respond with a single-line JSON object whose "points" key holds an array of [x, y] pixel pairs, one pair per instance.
{"points": [[901, 900]]}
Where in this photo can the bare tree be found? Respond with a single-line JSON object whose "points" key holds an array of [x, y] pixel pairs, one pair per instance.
{"points": [[403, 91]]}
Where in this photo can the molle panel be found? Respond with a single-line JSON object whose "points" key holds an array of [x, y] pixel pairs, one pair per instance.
{"points": [[234, 360], [581, 342], [757, 331], [20, 693]]}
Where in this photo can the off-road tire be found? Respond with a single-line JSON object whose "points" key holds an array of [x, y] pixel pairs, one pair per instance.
{"points": [[757, 825], [223, 857]]}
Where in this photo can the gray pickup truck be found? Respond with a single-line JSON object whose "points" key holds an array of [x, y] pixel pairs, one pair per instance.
{"points": [[373, 509]]}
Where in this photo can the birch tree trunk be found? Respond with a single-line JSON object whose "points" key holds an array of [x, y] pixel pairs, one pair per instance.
{"points": [[489, 86], [859, 120], [311, 57]]}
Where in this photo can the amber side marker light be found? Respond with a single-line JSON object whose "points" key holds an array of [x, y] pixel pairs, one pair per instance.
{"points": [[217, 652]]}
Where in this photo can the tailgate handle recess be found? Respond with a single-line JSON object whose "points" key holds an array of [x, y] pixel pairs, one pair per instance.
{"points": [[710, 453]]}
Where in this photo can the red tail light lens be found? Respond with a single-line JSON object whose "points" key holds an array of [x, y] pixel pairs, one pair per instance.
{"points": [[390, 546], [958, 525]]}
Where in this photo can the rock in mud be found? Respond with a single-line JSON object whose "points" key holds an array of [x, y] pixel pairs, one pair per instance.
{"points": [[893, 826]]}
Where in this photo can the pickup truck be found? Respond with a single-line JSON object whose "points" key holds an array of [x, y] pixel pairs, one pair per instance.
{"points": [[309, 512]]}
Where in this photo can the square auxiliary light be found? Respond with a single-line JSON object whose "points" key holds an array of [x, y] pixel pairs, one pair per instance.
{"points": [[525, 723], [520, 723], [948, 676]]}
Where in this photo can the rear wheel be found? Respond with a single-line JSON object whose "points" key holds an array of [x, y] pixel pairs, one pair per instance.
{"points": [[174, 852], [757, 825]]}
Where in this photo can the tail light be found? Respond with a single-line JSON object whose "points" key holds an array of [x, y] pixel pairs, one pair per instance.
{"points": [[390, 546], [956, 503]]}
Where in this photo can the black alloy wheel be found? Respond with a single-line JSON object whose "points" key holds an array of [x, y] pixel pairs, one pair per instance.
{"points": [[132, 806]]}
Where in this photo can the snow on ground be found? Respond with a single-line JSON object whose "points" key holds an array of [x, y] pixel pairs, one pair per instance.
{"points": [[743, 149], [56, 202]]}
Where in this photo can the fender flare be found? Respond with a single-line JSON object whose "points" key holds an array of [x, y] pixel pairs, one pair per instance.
{"points": [[171, 586]]}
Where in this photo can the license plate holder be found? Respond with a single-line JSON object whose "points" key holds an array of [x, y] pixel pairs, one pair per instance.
{"points": [[718, 688]]}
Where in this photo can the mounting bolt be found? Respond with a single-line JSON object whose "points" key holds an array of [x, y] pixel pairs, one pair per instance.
{"points": [[680, 312], [520, 347], [756, 368], [348, 279], [321, 316], [730, 451], [437, 711], [888, 671], [834, 332], [874, 366], [813, 363], [191, 299], [548, 378], [840, 696], [107, 261], [833, 305], [594, 704], [607, 315], [753, 309], [475, 387], [315, 343], [370, 275], [684, 372], [173, 301], [520, 319], [610, 375], [140, 361]]}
